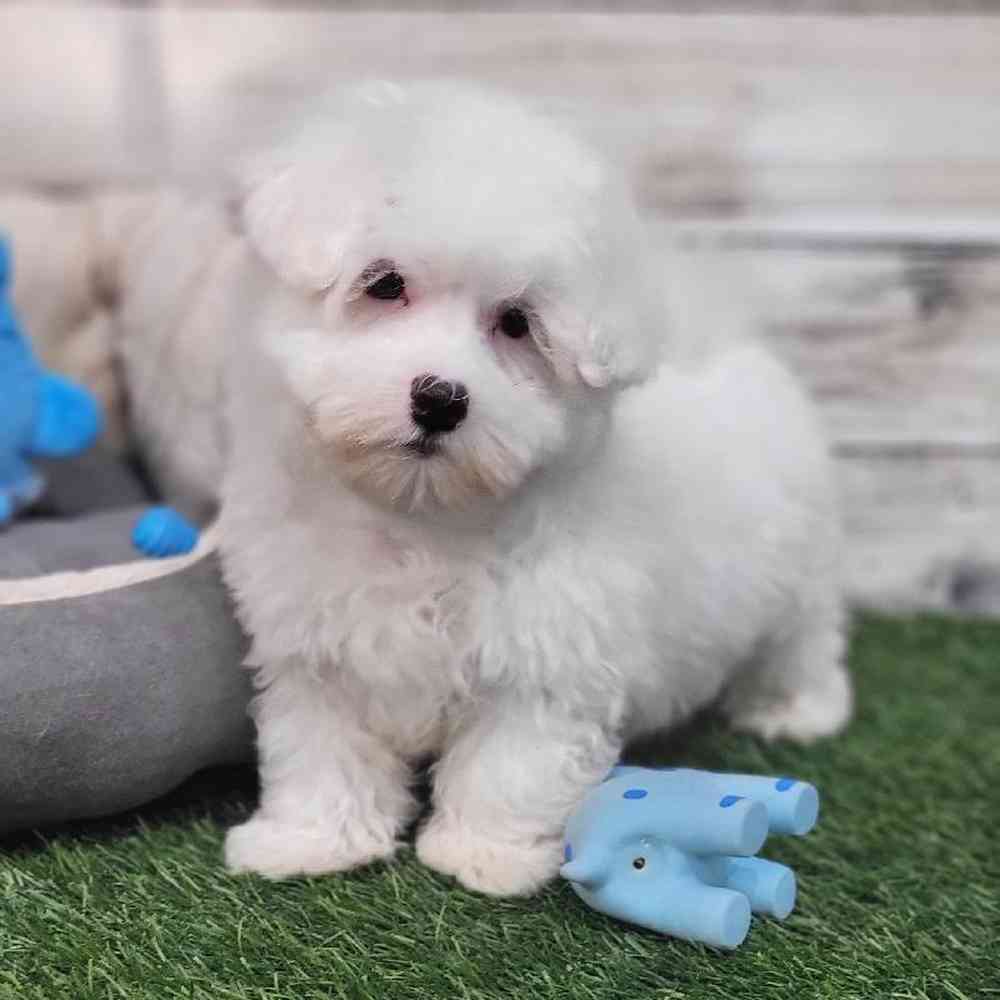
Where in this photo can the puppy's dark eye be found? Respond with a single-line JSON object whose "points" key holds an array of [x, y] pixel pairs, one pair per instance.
{"points": [[514, 323], [638, 864], [389, 286]]}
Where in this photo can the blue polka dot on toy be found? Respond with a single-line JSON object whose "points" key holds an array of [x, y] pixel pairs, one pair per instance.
{"points": [[783, 784], [729, 800], [162, 532], [635, 793]]}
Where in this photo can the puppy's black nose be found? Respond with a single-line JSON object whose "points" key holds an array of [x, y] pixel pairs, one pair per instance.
{"points": [[436, 404]]}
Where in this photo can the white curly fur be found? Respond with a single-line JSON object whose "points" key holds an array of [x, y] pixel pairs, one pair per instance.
{"points": [[592, 554]]}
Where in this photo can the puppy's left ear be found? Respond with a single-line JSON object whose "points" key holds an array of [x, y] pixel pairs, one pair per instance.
{"points": [[621, 340], [617, 341], [621, 348]]}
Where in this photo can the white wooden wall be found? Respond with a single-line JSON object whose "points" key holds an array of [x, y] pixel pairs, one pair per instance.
{"points": [[854, 161]]}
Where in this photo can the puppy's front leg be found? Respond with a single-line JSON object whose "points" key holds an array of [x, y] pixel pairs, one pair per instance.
{"points": [[505, 788], [333, 796]]}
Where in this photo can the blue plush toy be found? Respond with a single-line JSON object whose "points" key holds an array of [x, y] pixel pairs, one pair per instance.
{"points": [[673, 850], [41, 414]]}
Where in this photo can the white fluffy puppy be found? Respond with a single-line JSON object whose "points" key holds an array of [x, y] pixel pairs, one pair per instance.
{"points": [[458, 524]]}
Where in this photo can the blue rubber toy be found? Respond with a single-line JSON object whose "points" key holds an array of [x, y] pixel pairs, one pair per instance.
{"points": [[674, 850], [162, 532], [42, 415]]}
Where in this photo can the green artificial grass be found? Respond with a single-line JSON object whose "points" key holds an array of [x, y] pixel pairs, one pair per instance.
{"points": [[899, 884]]}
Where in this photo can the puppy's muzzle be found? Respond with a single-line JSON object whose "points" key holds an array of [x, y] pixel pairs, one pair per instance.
{"points": [[437, 405]]}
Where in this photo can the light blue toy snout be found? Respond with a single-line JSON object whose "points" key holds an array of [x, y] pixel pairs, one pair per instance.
{"points": [[674, 850]]}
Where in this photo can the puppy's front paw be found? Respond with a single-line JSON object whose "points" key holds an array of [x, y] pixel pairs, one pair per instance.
{"points": [[484, 864], [280, 850]]}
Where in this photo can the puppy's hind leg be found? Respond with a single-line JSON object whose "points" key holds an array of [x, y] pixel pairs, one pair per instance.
{"points": [[797, 686], [332, 795]]}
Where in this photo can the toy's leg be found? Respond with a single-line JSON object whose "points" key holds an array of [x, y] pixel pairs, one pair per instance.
{"points": [[332, 795], [24, 487], [505, 788], [792, 806], [69, 419], [686, 908], [770, 887], [798, 687]]}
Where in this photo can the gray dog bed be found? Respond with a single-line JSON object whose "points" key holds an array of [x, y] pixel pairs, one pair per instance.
{"points": [[119, 676]]}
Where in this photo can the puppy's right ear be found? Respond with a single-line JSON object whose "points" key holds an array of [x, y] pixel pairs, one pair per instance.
{"points": [[301, 205], [299, 218]]}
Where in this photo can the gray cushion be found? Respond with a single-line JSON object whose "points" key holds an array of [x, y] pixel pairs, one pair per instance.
{"points": [[36, 546], [113, 690], [83, 484]]}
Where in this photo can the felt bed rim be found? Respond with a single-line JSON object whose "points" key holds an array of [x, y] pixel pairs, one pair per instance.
{"points": [[101, 579]]}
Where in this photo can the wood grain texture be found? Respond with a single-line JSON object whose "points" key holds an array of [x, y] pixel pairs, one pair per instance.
{"points": [[938, 8], [902, 350], [718, 114], [854, 163]]}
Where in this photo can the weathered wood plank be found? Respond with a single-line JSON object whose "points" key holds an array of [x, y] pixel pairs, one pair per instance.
{"points": [[720, 113], [856, 7], [899, 348], [893, 325], [894, 322], [900, 345]]}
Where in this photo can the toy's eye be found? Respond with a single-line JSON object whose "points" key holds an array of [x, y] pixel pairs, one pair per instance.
{"points": [[638, 864], [389, 286], [513, 322]]}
